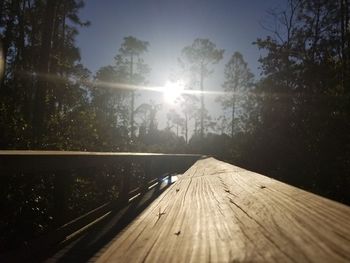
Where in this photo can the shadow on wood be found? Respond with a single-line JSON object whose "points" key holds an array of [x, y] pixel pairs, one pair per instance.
{"points": [[89, 245]]}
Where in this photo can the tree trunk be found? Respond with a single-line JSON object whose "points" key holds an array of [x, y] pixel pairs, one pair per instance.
{"points": [[132, 98], [342, 29], [202, 102], [346, 39], [233, 116], [20, 40], [40, 96], [8, 37], [186, 128]]}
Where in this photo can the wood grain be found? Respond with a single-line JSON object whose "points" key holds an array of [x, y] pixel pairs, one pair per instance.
{"points": [[221, 213]]}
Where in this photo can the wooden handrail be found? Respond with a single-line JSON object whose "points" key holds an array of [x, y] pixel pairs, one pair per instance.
{"points": [[48, 160], [62, 163], [217, 212]]}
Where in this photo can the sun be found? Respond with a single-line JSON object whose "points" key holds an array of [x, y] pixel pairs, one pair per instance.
{"points": [[172, 91]]}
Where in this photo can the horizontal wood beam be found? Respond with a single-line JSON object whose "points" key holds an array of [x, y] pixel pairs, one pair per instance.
{"points": [[63, 160], [80, 153], [63, 164], [217, 212]]}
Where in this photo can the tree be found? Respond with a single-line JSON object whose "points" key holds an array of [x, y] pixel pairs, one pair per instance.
{"points": [[40, 84], [134, 71], [44, 102], [222, 124], [198, 58], [188, 108], [176, 120], [44, 58], [147, 114], [304, 96], [110, 107], [238, 80]]}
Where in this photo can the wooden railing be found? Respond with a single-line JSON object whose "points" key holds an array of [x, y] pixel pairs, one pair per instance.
{"points": [[107, 180], [217, 212]]}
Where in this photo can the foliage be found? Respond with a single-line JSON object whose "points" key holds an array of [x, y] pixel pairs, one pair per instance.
{"points": [[197, 58], [237, 85], [43, 88], [292, 124], [304, 98], [110, 111], [132, 69]]}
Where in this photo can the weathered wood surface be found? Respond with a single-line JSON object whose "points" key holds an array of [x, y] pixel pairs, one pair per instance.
{"points": [[221, 213]]}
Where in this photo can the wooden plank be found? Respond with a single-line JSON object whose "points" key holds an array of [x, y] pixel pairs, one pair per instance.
{"points": [[63, 160], [79, 153], [221, 213]]}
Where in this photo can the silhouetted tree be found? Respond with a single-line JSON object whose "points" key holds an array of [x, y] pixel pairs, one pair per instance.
{"points": [[188, 109], [238, 80], [42, 71], [130, 62], [222, 124], [304, 100], [176, 120], [147, 114], [198, 58], [110, 106]]}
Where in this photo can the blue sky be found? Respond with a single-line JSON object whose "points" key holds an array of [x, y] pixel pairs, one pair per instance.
{"points": [[169, 26]]}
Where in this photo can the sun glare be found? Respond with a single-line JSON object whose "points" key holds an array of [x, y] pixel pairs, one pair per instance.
{"points": [[172, 91]]}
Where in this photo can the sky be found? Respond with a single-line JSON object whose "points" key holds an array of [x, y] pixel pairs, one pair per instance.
{"points": [[169, 26]]}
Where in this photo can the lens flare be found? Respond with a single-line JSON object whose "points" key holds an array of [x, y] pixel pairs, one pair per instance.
{"points": [[173, 91]]}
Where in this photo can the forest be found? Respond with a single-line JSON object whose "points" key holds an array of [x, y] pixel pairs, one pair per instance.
{"points": [[291, 123]]}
